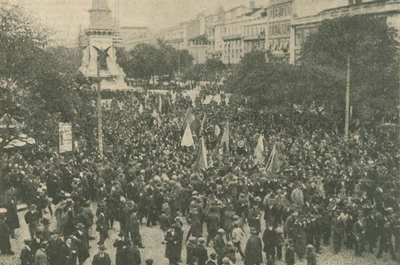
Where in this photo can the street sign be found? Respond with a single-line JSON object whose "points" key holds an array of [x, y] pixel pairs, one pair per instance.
{"points": [[65, 137]]}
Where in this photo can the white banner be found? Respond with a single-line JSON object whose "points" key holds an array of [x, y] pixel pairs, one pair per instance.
{"points": [[65, 137]]}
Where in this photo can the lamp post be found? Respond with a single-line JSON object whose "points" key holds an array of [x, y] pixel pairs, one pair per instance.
{"points": [[99, 112]]}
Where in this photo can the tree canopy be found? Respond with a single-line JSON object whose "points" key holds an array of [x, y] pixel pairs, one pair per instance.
{"points": [[371, 46], [40, 83], [145, 60], [317, 86]]}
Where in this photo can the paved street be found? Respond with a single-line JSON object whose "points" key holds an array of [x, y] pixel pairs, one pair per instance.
{"points": [[154, 249]]}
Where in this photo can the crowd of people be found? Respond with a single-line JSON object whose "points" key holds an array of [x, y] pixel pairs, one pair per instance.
{"points": [[322, 190]]}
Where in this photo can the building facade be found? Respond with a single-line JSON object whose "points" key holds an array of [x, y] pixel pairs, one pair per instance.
{"points": [[309, 13], [278, 31]]}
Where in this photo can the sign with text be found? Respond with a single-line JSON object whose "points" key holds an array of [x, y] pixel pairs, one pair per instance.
{"points": [[65, 137]]}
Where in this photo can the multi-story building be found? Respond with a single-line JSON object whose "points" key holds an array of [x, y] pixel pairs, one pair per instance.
{"points": [[131, 36], [241, 30], [278, 30], [254, 30], [307, 14]]}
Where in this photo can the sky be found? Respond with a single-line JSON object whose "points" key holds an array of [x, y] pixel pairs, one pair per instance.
{"points": [[66, 17]]}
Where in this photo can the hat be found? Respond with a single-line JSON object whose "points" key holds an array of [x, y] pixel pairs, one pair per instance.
{"points": [[225, 260], [178, 219], [192, 239], [309, 246], [221, 231], [43, 244], [80, 226], [213, 255], [27, 241], [149, 262], [32, 206], [253, 230], [201, 240], [235, 217], [55, 232], [102, 248], [257, 199]]}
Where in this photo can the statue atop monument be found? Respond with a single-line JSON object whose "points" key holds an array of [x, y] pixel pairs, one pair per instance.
{"points": [[101, 47]]}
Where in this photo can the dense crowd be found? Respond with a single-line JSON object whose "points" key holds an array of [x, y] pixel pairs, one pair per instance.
{"points": [[322, 190]]}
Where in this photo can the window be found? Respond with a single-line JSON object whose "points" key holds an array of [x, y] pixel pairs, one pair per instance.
{"points": [[276, 10]]}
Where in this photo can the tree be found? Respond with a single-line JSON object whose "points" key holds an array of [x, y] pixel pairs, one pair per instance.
{"points": [[38, 82], [370, 46]]}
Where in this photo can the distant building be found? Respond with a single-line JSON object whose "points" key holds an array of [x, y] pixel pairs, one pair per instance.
{"points": [[131, 36], [278, 30]]}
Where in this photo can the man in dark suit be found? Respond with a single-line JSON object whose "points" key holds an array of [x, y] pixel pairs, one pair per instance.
{"points": [[41, 255], [133, 254], [81, 243], [220, 245], [101, 258], [358, 234], [27, 254], [200, 252], [32, 219], [53, 249], [270, 239], [253, 251]]}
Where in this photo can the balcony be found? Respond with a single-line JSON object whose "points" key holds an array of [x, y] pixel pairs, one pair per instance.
{"points": [[232, 37]]}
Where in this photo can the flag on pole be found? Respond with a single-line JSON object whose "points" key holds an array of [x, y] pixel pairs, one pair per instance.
{"points": [[225, 140], [141, 108], [156, 117], [202, 124], [160, 104], [187, 138], [273, 161], [189, 118], [201, 162], [259, 151]]}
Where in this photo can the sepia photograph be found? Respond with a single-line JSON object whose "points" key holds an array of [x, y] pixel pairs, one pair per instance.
{"points": [[199, 132]]}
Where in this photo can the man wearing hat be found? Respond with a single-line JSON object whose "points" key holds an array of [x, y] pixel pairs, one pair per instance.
{"points": [[32, 219], [5, 243], [253, 251], [237, 237], [121, 244], [134, 229], [101, 258], [82, 243], [213, 221], [53, 248], [102, 226], [200, 252], [255, 215], [190, 254], [26, 256], [41, 255], [220, 245], [43, 230], [173, 246], [132, 254]]}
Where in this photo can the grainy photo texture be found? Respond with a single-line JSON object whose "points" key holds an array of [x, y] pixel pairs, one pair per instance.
{"points": [[199, 132]]}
